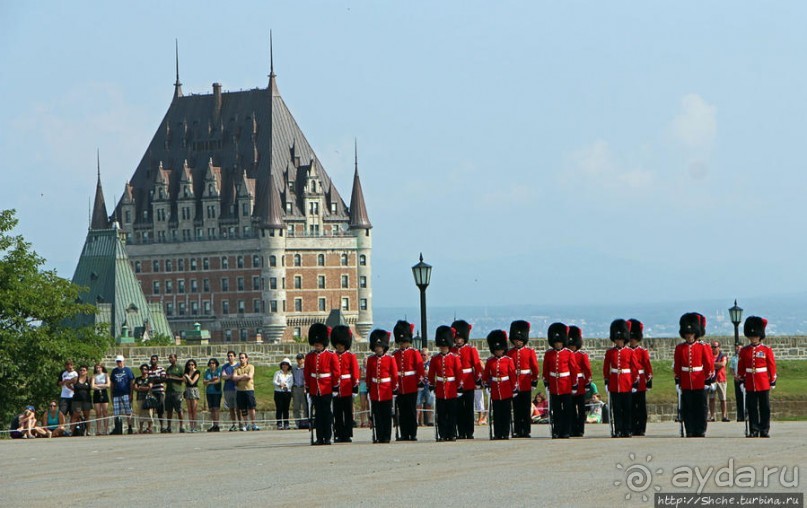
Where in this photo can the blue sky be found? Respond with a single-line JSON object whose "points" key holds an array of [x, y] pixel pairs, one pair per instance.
{"points": [[535, 152]]}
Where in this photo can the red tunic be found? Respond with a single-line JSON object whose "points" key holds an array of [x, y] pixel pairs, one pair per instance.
{"points": [[526, 367], [410, 369], [471, 365], [560, 370], [620, 369], [693, 364], [500, 375], [321, 372], [584, 374], [381, 377], [349, 368], [645, 367], [444, 375], [757, 367]]}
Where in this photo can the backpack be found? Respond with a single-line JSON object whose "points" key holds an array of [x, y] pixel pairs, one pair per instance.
{"points": [[80, 428]]}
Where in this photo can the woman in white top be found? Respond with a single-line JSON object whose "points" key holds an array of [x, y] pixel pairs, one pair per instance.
{"points": [[283, 382], [100, 397]]}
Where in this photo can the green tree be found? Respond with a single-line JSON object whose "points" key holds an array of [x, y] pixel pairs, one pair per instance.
{"points": [[35, 340]]}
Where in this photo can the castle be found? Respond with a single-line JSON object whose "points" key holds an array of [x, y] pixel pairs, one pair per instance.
{"points": [[231, 221]]}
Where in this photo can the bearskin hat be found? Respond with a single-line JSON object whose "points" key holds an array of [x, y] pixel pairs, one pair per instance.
{"points": [[403, 331], [702, 321], [520, 330], [497, 339], [318, 334], [576, 337], [755, 327], [444, 336], [620, 329], [636, 329], [463, 329], [379, 337], [690, 323], [341, 334], [557, 332]]}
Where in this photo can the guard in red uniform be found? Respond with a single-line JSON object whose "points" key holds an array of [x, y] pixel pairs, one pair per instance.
{"points": [[583, 381], [342, 339], [499, 375], [639, 404], [757, 370], [322, 376], [410, 375], [382, 379], [560, 380], [527, 374], [471, 378], [621, 373], [445, 370], [693, 367]]}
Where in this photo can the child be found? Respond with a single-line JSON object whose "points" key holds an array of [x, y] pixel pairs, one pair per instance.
{"points": [[499, 376]]}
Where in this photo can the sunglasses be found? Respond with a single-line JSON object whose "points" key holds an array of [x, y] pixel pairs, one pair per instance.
{"points": [[53, 405]]}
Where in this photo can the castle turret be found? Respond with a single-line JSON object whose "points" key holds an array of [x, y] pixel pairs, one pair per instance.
{"points": [[361, 226]]}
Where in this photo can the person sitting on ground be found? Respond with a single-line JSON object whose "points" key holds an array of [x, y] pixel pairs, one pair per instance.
{"points": [[53, 420], [540, 409], [594, 409], [23, 426]]}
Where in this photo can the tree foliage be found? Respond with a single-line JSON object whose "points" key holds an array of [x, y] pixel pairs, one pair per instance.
{"points": [[35, 340]]}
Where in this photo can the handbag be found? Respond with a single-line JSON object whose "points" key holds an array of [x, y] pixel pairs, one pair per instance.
{"points": [[150, 402]]}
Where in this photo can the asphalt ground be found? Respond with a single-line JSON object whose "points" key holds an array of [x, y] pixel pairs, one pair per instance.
{"points": [[274, 468]]}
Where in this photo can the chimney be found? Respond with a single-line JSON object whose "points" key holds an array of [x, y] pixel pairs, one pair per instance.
{"points": [[216, 103]]}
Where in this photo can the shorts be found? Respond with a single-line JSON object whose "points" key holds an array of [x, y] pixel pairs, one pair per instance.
{"points": [[213, 400], [100, 396], [141, 411], [425, 397], [479, 401], [719, 391], [229, 399], [81, 405], [173, 401], [192, 393], [16, 434], [121, 405], [245, 399], [66, 406]]}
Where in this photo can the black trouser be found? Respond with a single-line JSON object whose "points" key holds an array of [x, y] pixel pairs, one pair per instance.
{"points": [[382, 420], [694, 411], [738, 397], [501, 418], [282, 402], [561, 410], [759, 411], [407, 412], [323, 416], [465, 414], [639, 413], [579, 419], [343, 417], [522, 420], [446, 418], [621, 406]]}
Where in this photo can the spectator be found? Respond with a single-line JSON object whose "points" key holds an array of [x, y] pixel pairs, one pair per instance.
{"points": [[244, 377], [540, 409], [212, 382], [425, 396], [718, 390], [227, 371], [738, 383], [23, 426], [157, 379], [479, 406], [66, 380], [283, 382], [298, 392], [594, 409], [100, 396], [142, 385], [191, 377], [174, 377], [53, 420], [122, 385], [82, 401], [364, 405]]}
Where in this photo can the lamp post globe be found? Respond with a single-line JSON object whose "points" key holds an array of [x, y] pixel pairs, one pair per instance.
{"points": [[736, 316], [423, 274]]}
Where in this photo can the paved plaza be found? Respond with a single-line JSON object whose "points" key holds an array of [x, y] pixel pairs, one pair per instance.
{"points": [[273, 468]]}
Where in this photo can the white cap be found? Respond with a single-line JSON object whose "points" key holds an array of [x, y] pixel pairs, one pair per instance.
{"points": [[119, 358]]}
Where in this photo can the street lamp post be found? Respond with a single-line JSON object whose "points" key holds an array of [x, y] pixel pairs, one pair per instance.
{"points": [[423, 274], [736, 315]]}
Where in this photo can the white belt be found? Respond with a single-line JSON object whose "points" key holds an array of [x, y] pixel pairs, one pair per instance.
{"points": [[500, 379], [381, 379], [561, 374], [755, 370], [641, 371], [692, 369], [326, 374], [445, 379], [525, 371], [467, 371], [407, 373], [345, 376], [620, 371]]}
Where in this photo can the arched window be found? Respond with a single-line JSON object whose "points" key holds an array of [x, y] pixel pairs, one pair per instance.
{"points": [[363, 260], [272, 261], [344, 259], [320, 259], [298, 260]]}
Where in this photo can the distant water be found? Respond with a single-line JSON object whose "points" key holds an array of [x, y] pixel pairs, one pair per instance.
{"points": [[787, 315]]}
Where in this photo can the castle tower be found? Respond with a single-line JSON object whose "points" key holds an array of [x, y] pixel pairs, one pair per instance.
{"points": [[361, 226]]}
